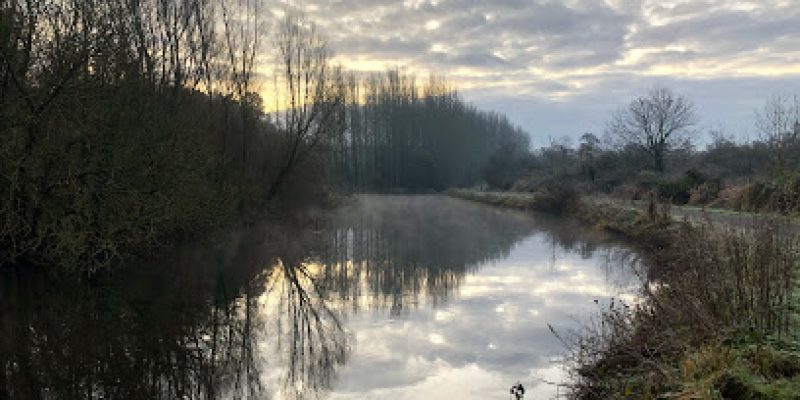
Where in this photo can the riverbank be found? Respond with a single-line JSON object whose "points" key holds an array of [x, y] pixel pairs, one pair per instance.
{"points": [[717, 316], [644, 229]]}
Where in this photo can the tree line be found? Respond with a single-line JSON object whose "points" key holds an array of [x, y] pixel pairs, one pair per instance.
{"points": [[405, 135], [653, 144]]}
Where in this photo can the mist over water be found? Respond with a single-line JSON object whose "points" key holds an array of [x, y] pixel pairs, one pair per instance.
{"points": [[386, 297]]}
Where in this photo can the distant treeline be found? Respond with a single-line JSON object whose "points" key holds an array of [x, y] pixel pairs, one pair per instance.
{"points": [[651, 147], [728, 174], [403, 135]]}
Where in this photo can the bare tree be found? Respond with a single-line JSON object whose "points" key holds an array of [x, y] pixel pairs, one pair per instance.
{"points": [[779, 125], [656, 122], [309, 93], [587, 153], [242, 31]]}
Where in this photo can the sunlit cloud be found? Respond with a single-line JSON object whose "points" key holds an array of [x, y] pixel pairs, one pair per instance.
{"points": [[541, 58]]}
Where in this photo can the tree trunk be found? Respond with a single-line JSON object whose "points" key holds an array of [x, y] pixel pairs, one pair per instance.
{"points": [[658, 160]]}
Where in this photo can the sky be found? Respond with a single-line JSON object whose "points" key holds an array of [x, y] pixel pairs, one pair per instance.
{"points": [[559, 68]]}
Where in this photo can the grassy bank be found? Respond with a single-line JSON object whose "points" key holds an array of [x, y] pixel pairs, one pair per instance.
{"points": [[650, 228], [556, 200], [717, 317]]}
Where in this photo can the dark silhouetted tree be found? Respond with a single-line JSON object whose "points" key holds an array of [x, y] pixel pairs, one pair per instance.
{"points": [[655, 122]]}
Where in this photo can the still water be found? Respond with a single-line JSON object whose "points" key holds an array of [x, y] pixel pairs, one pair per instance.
{"points": [[388, 297]]}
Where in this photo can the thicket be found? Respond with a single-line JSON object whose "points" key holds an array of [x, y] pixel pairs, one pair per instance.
{"points": [[126, 124], [780, 193]]}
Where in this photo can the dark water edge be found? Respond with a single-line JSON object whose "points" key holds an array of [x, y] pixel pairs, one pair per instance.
{"points": [[269, 312]]}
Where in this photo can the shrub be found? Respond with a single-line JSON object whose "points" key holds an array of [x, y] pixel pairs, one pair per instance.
{"points": [[557, 198], [780, 194], [628, 191], [677, 189], [729, 197], [552, 197], [729, 289], [702, 194]]}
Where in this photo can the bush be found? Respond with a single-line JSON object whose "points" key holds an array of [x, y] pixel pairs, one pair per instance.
{"points": [[729, 197], [557, 198], [780, 194], [553, 197], [678, 189], [628, 191], [703, 194]]}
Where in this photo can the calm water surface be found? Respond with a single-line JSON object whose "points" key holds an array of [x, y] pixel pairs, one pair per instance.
{"points": [[390, 297]]}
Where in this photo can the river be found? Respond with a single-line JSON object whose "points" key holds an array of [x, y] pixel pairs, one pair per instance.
{"points": [[387, 297]]}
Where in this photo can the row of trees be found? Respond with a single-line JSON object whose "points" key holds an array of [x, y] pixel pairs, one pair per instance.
{"points": [[403, 135], [662, 121]]}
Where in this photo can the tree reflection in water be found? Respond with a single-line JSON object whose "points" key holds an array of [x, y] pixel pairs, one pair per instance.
{"points": [[309, 339], [393, 252], [190, 328], [262, 315], [70, 341]]}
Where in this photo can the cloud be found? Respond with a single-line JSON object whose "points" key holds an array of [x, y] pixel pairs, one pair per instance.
{"points": [[563, 54]]}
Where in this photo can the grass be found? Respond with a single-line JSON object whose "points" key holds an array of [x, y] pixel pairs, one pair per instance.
{"points": [[746, 370], [625, 221], [558, 199]]}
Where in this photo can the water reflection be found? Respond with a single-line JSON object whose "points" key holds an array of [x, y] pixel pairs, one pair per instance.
{"points": [[390, 297], [158, 338], [391, 251], [309, 341]]}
